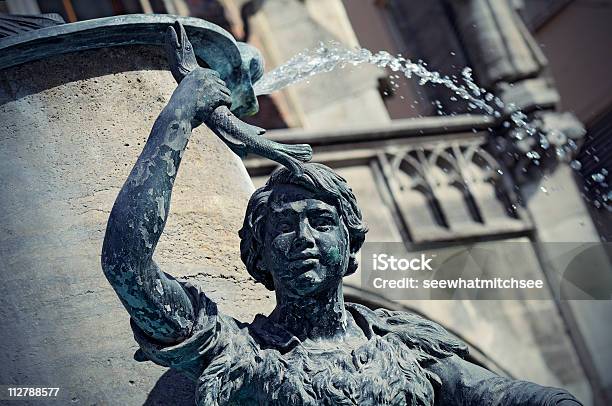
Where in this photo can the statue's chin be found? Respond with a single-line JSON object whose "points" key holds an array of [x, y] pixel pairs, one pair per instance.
{"points": [[311, 283]]}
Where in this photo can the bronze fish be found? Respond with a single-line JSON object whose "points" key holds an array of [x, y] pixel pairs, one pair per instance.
{"points": [[239, 136]]}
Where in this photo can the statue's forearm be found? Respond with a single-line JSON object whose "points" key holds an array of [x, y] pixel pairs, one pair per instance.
{"points": [[157, 303], [464, 383], [143, 203], [506, 392]]}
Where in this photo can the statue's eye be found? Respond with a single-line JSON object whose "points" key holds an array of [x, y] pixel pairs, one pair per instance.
{"points": [[284, 227], [322, 223]]}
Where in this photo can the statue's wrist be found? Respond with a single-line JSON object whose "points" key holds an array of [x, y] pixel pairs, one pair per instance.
{"points": [[183, 102], [179, 108]]}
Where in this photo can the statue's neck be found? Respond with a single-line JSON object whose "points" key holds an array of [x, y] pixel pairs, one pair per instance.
{"points": [[317, 317]]}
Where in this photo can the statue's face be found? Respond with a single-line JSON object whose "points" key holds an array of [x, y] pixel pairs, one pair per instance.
{"points": [[306, 243]]}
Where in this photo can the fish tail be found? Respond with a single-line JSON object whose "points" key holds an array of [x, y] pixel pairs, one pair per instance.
{"points": [[301, 152], [290, 163], [292, 156]]}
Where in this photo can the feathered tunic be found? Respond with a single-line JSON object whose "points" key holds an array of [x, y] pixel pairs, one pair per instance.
{"points": [[261, 363]]}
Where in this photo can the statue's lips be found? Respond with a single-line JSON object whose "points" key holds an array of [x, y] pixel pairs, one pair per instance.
{"points": [[302, 265]]}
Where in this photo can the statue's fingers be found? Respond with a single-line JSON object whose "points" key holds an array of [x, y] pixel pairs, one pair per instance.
{"points": [[226, 99], [226, 92], [220, 84], [220, 81]]}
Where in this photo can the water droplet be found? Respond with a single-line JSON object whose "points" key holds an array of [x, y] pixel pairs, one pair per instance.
{"points": [[533, 155], [543, 189], [576, 165], [598, 177]]}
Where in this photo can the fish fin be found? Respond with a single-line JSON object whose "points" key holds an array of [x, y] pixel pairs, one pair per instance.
{"points": [[240, 150], [237, 146], [301, 152]]}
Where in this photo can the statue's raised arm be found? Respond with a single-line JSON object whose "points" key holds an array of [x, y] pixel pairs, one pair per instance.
{"points": [[157, 303]]}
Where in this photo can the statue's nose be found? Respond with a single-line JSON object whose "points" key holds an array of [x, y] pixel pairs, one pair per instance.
{"points": [[304, 238]]}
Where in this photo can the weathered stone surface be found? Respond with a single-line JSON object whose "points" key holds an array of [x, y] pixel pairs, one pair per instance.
{"points": [[72, 127]]}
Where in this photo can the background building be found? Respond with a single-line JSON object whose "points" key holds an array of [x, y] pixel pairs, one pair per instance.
{"points": [[430, 181]]}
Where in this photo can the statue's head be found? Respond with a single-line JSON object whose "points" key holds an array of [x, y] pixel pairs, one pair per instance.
{"points": [[302, 233]]}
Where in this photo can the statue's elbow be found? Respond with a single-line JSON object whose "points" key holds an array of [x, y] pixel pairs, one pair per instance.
{"points": [[564, 398], [107, 251], [114, 241], [110, 258], [108, 267]]}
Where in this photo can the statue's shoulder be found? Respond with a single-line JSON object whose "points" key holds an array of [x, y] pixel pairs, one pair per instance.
{"points": [[415, 331]]}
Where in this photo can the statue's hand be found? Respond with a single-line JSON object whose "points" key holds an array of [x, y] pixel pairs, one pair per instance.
{"points": [[202, 88], [201, 92]]}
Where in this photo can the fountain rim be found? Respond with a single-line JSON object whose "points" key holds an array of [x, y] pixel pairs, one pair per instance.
{"points": [[132, 27], [211, 43]]}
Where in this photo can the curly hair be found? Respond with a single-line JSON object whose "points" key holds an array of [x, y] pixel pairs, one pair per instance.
{"points": [[327, 186]]}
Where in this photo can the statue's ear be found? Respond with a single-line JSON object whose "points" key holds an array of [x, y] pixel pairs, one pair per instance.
{"points": [[352, 264], [259, 265], [263, 276]]}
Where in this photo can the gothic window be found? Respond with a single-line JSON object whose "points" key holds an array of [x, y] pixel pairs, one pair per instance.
{"points": [[450, 189]]}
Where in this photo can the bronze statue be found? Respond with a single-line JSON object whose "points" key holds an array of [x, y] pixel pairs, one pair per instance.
{"points": [[300, 237]]}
